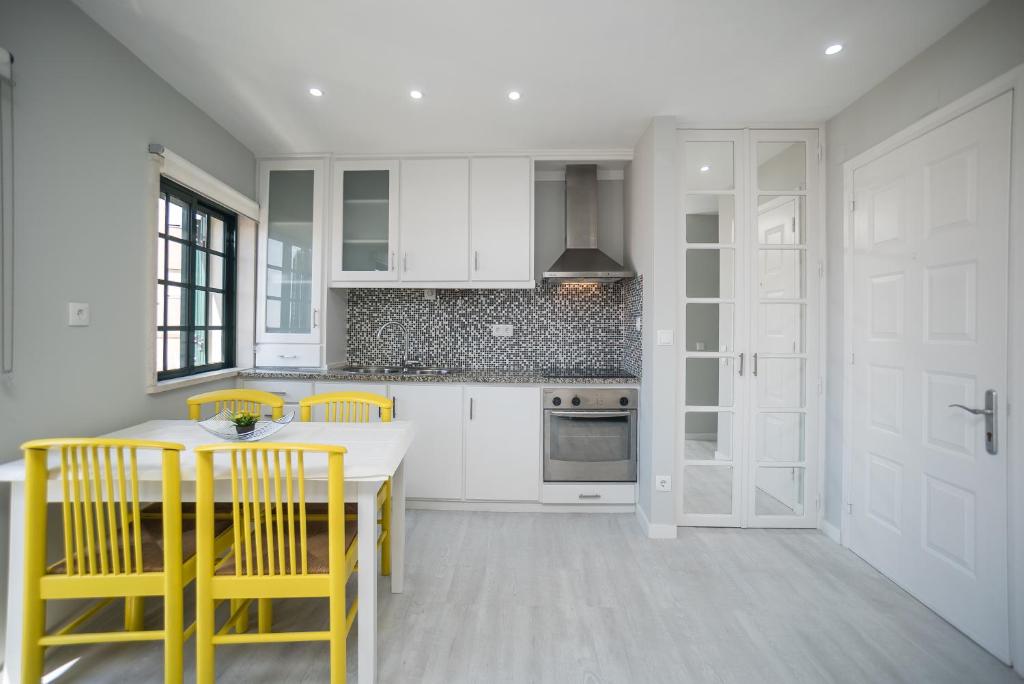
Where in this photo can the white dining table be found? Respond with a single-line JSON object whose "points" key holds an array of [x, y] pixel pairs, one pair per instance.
{"points": [[375, 452]]}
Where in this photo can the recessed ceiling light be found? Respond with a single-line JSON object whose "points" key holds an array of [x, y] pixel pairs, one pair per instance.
{"points": [[705, 168], [316, 92], [416, 94], [513, 95], [834, 49]]}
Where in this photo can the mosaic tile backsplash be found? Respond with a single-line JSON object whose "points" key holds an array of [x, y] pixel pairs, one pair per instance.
{"points": [[554, 325]]}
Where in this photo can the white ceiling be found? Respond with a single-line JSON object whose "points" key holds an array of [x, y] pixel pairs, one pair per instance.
{"points": [[592, 72]]}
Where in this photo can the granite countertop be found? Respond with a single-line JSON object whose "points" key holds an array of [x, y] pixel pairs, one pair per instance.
{"points": [[509, 377]]}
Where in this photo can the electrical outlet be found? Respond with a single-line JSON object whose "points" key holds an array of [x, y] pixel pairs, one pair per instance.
{"points": [[499, 330], [663, 483], [78, 314]]}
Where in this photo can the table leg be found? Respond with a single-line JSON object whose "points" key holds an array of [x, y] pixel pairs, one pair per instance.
{"points": [[367, 581], [15, 585], [398, 530]]}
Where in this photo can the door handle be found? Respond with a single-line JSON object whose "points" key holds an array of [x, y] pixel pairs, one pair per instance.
{"points": [[754, 370], [991, 413], [741, 363]]}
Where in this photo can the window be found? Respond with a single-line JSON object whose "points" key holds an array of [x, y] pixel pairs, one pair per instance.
{"points": [[195, 308]]}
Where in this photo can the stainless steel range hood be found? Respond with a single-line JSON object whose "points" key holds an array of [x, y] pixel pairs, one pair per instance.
{"points": [[582, 261]]}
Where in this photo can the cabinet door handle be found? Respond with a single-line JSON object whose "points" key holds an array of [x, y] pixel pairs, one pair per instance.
{"points": [[287, 356], [476, 261], [741, 363], [471, 408], [391, 261], [755, 365], [316, 318], [394, 407], [405, 261]]}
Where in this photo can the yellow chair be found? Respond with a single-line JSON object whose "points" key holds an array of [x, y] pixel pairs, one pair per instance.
{"points": [[236, 400], [280, 550], [111, 548], [357, 407]]}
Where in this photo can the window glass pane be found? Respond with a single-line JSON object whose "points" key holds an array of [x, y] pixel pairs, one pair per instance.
{"points": [[780, 491], [175, 261], [709, 436], [161, 214], [161, 257], [199, 313], [174, 306], [175, 350], [707, 489], [202, 229], [216, 234], [709, 382], [780, 220], [710, 272], [160, 295], [710, 327], [780, 437], [177, 211], [709, 166], [200, 261], [216, 309], [710, 218], [782, 166], [215, 346], [216, 271], [160, 341], [199, 348], [290, 225], [781, 273]]}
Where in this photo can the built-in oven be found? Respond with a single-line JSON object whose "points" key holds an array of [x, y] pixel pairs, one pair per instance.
{"points": [[590, 434]]}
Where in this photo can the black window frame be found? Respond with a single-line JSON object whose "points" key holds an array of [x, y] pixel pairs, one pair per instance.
{"points": [[193, 250]]}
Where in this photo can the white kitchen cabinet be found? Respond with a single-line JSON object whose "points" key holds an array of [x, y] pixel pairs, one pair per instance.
{"points": [[434, 220], [503, 439], [364, 221], [500, 218], [433, 466], [289, 269]]}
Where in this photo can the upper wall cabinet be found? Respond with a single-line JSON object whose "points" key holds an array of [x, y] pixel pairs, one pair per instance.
{"points": [[435, 220], [451, 222], [290, 254], [500, 218], [364, 221]]}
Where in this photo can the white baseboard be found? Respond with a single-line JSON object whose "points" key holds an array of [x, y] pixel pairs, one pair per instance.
{"points": [[831, 531], [654, 531], [514, 506]]}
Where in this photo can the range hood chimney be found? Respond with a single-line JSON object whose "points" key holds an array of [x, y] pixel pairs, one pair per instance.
{"points": [[582, 261]]}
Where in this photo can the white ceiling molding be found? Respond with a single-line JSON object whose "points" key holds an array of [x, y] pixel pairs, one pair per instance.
{"points": [[184, 172]]}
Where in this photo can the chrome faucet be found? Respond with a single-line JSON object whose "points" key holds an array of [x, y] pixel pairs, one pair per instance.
{"points": [[405, 339]]}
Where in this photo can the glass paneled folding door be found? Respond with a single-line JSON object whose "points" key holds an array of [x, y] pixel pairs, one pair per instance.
{"points": [[748, 286]]}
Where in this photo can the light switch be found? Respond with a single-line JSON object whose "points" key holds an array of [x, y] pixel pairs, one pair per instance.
{"points": [[665, 337], [78, 314]]}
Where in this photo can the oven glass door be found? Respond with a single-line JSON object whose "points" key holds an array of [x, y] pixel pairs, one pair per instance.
{"points": [[590, 446]]}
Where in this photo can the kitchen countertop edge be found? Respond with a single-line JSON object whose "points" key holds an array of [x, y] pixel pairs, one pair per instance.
{"points": [[466, 377]]}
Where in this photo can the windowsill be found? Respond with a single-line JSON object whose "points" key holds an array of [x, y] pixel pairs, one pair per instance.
{"points": [[189, 380]]}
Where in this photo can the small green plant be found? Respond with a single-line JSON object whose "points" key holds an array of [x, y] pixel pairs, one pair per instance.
{"points": [[244, 421]]}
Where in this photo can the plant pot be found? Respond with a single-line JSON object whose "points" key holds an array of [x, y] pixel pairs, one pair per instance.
{"points": [[245, 429]]}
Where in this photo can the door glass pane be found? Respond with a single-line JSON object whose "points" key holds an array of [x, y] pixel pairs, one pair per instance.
{"points": [[290, 252], [781, 273], [780, 220], [710, 273], [780, 383], [780, 328], [709, 382], [710, 327], [782, 166], [708, 436], [780, 491], [709, 166], [707, 489], [710, 218], [365, 208], [780, 437]]}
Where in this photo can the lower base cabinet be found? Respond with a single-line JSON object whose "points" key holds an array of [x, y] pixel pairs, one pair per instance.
{"points": [[502, 443], [433, 466]]}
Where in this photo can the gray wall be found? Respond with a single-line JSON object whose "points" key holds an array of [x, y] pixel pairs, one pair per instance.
{"points": [[85, 109], [986, 45]]}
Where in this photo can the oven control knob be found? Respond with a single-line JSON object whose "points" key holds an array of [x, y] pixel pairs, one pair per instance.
{"points": [[557, 401], [624, 401], [575, 401]]}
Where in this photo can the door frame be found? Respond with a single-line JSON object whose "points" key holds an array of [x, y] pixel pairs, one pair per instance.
{"points": [[1012, 81]]}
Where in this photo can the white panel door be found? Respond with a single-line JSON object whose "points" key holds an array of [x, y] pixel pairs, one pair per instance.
{"points": [[929, 330], [500, 218], [433, 466], [434, 220], [503, 443]]}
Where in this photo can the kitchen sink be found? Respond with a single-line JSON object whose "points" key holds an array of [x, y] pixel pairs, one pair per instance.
{"points": [[395, 370]]}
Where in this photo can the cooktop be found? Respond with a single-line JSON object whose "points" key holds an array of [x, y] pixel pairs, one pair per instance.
{"points": [[586, 373]]}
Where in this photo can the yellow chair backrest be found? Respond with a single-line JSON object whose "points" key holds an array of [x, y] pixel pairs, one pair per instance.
{"points": [[236, 400], [346, 407], [268, 506], [99, 482]]}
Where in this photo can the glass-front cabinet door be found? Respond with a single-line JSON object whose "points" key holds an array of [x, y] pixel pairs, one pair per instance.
{"points": [[364, 221], [290, 251]]}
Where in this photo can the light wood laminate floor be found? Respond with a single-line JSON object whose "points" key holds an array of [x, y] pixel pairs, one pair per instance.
{"points": [[505, 597]]}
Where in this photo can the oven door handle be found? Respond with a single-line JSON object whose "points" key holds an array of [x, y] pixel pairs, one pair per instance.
{"points": [[590, 414]]}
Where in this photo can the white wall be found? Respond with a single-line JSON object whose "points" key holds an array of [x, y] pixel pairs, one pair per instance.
{"points": [[84, 111], [650, 250]]}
